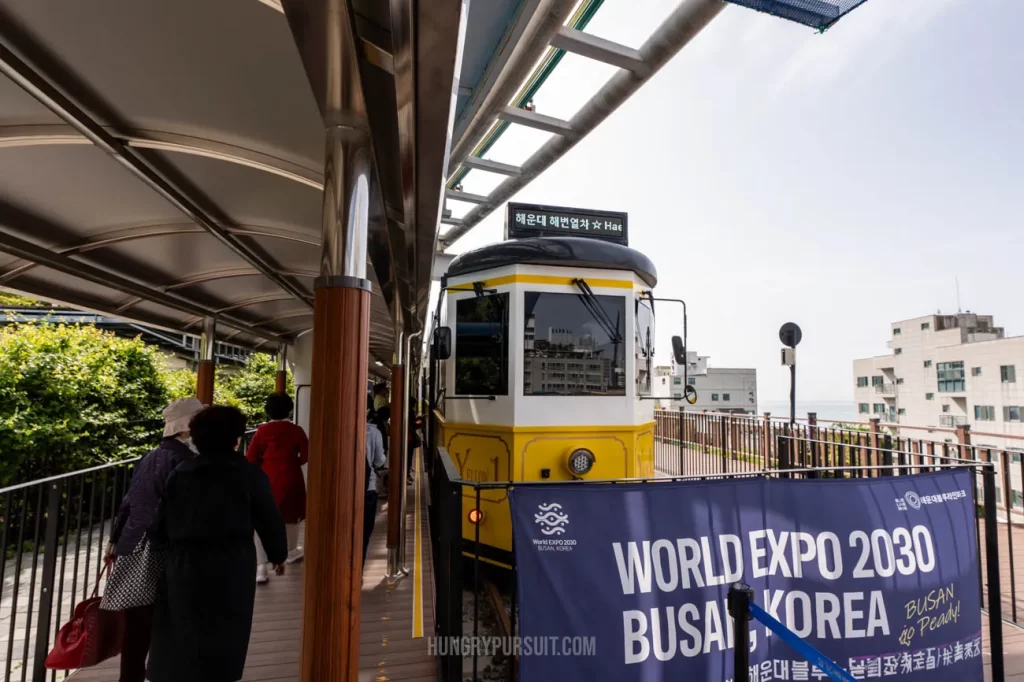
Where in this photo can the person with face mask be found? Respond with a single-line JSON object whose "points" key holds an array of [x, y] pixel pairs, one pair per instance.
{"points": [[137, 567]]}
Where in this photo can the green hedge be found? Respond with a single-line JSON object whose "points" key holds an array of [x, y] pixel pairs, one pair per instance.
{"points": [[73, 396]]}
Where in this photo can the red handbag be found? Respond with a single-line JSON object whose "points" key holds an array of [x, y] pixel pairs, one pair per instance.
{"points": [[90, 637]]}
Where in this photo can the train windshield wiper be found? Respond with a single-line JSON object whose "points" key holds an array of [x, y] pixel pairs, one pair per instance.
{"points": [[591, 303]]}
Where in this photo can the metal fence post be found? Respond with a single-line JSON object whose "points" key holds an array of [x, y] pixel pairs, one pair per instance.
{"points": [[738, 603], [995, 599], [453, 603], [682, 439], [46, 586]]}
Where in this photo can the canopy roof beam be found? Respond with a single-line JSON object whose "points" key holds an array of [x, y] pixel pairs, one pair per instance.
{"points": [[685, 22], [491, 166], [531, 119], [45, 90], [31, 252], [457, 195], [601, 50]]}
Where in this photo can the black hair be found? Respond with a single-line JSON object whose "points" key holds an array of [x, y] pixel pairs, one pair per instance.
{"points": [[216, 430], [380, 389], [278, 406]]}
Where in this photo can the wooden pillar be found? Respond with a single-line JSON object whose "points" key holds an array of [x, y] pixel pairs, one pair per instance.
{"points": [[337, 469], [207, 370], [963, 437], [396, 452]]}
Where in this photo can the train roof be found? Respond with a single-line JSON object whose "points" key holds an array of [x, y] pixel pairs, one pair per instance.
{"points": [[567, 252]]}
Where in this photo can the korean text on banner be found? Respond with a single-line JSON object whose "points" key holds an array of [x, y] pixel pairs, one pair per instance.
{"points": [[880, 575]]}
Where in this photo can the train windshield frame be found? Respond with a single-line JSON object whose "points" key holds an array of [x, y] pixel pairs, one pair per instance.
{"points": [[574, 344], [481, 350]]}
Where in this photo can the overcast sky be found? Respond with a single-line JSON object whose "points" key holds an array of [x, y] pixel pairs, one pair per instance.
{"points": [[839, 180]]}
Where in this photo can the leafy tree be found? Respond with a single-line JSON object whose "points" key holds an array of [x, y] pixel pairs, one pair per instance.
{"points": [[250, 385], [73, 396], [15, 301]]}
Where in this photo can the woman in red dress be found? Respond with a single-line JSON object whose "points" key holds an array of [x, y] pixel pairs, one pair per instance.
{"points": [[280, 448]]}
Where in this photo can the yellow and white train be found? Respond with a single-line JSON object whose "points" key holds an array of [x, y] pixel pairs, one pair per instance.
{"points": [[543, 355]]}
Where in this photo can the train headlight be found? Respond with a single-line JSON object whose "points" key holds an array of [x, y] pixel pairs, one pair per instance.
{"points": [[581, 461]]}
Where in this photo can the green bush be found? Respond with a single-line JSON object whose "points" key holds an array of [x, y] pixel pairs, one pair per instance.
{"points": [[73, 396]]}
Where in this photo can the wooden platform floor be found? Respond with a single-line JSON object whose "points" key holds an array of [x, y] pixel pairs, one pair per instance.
{"points": [[388, 649]]}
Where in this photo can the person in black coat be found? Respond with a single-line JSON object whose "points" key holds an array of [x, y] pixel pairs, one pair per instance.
{"points": [[212, 505]]}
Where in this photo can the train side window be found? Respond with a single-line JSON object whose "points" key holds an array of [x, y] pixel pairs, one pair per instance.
{"points": [[574, 345], [481, 345]]}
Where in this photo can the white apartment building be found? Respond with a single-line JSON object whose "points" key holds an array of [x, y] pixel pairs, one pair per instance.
{"points": [[944, 371], [718, 389]]}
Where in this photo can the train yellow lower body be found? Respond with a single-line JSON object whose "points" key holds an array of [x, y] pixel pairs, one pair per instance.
{"points": [[496, 453]]}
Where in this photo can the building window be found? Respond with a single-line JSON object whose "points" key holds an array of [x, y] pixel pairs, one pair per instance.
{"points": [[879, 408], [1011, 414], [899, 381], [864, 408], [984, 413], [725, 397], [877, 381], [714, 397], [929, 396], [1008, 374], [676, 381], [945, 408], [950, 377], [902, 411], [975, 371], [862, 382], [927, 363], [589, 353], [481, 345], [677, 396], [926, 325], [898, 351], [895, 331], [692, 381]]}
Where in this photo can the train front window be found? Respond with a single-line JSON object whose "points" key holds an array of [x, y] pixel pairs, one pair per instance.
{"points": [[481, 345], [574, 344]]}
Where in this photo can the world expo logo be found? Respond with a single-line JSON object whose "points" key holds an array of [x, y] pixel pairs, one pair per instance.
{"points": [[912, 499], [551, 519]]}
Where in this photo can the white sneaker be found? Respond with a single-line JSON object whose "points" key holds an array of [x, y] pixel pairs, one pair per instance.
{"points": [[261, 574], [294, 556]]}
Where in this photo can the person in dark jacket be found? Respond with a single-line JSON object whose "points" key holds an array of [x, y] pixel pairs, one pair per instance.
{"points": [[130, 576], [211, 507]]}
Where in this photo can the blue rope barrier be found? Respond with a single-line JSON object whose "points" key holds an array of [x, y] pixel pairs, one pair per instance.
{"points": [[823, 662]]}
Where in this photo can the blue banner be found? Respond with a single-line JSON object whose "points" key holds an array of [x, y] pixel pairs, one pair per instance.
{"points": [[629, 582]]}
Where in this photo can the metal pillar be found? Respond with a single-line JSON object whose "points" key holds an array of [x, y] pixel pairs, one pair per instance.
{"points": [[207, 361], [337, 463], [407, 391], [396, 457], [281, 378]]}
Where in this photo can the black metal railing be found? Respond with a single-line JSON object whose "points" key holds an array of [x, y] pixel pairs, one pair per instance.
{"points": [[54, 532], [698, 446]]}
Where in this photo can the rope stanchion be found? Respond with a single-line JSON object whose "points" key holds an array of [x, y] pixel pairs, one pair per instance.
{"points": [[742, 608]]}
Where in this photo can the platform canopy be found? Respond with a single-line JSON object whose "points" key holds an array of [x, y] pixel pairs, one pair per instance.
{"points": [[162, 161]]}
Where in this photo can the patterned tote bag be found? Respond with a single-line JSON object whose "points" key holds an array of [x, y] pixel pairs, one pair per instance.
{"points": [[134, 579]]}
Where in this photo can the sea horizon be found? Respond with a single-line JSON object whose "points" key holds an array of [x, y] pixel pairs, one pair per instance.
{"points": [[835, 410]]}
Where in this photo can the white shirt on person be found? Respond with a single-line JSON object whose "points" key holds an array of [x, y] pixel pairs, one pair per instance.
{"points": [[374, 453]]}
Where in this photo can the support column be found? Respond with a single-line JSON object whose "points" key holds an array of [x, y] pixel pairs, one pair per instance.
{"points": [[281, 378], [206, 371], [396, 456], [337, 431]]}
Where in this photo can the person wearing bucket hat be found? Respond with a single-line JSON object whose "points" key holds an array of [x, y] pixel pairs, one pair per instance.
{"points": [[137, 567]]}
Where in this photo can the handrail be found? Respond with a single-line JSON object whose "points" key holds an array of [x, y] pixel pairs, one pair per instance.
{"points": [[60, 477], [89, 470]]}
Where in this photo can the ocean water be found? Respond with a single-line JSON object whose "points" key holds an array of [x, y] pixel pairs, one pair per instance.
{"points": [[840, 410]]}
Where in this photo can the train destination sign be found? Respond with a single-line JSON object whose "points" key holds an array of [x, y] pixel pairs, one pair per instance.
{"points": [[530, 220]]}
